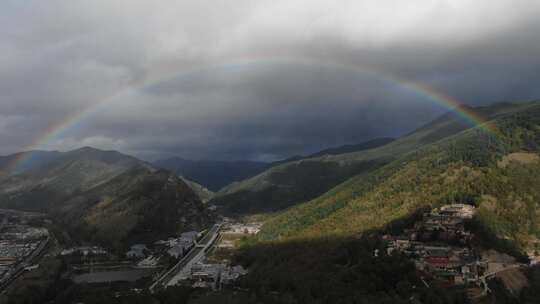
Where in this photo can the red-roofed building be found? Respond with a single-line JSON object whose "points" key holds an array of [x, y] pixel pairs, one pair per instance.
{"points": [[438, 262]]}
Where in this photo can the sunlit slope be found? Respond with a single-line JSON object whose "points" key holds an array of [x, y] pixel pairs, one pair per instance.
{"points": [[500, 173], [299, 181]]}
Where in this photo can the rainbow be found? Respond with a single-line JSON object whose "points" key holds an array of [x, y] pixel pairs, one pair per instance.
{"points": [[454, 105], [437, 97]]}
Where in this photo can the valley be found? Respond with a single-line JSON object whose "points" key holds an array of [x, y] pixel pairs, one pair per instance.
{"points": [[380, 220], [270, 152]]}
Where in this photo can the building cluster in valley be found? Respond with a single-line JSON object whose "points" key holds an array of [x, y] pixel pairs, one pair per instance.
{"points": [[143, 255], [192, 258], [214, 276], [211, 268], [180, 246], [183, 259], [20, 244], [442, 250], [189, 253], [220, 274]]}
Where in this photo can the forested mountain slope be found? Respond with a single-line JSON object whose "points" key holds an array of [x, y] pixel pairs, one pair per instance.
{"points": [[139, 205], [497, 171], [325, 250], [295, 182], [107, 196]]}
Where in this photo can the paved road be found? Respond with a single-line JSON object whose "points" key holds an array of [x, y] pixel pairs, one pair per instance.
{"points": [[209, 237], [182, 269]]}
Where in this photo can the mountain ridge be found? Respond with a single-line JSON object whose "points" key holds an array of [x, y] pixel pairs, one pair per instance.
{"points": [[210, 173], [292, 183], [465, 167], [217, 174], [107, 196]]}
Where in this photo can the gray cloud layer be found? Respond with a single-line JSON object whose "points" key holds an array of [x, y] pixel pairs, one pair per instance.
{"points": [[251, 79]]}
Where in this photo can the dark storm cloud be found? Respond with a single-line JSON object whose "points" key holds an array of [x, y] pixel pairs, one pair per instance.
{"points": [[252, 79]]}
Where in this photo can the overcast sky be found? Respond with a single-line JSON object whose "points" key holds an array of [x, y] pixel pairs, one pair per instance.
{"points": [[251, 79]]}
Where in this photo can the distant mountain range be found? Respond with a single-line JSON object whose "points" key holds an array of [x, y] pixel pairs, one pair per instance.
{"points": [[374, 143], [217, 174], [212, 174], [370, 144]]}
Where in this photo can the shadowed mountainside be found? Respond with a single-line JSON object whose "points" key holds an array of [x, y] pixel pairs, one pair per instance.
{"points": [[140, 204], [107, 196]]}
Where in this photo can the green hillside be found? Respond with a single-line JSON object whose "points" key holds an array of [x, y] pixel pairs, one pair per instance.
{"points": [[323, 251], [299, 181], [500, 173]]}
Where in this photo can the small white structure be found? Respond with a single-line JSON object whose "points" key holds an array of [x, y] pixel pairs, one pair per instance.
{"points": [[149, 262], [459, 210], [32, 267], [237, 228], [84, 250]]}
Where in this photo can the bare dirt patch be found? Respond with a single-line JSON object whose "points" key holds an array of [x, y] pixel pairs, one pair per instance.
{"points": [[513, 279], [520, 157]]}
